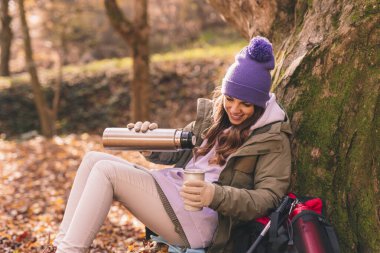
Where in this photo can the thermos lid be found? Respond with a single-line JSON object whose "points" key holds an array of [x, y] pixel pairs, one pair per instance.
{"points": [[188, 140]]}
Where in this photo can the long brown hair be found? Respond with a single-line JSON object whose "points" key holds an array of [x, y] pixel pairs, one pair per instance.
{"points": [[228, 140]]}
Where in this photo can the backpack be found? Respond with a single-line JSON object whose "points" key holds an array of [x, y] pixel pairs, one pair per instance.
{"points": [[298, 225]]}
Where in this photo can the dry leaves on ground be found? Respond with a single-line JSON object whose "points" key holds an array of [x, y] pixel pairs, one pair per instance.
{"points": [[36, 179]]}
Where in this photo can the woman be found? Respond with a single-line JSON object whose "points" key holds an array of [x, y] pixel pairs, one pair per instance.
{"points": [[242, 144]]}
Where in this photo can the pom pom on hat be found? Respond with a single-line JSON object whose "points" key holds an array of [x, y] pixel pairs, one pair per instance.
{"points": [[248, 78], [260, 49]]}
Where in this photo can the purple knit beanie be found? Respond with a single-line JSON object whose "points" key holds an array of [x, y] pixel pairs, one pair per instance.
{"points": [[248, 78]]}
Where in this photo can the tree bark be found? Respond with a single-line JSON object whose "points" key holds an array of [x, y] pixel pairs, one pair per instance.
{"points": [[327, 77], [136, 35], [47, 125], [57, 87], [253, 17], [6, 38]]}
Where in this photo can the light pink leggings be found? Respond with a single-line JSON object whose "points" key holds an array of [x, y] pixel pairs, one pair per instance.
{"points": [[100, 179]]}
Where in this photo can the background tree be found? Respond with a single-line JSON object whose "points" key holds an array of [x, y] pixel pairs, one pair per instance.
{"points": [[62, 25], [61, 28], [44, 114], [5, 38], [327, 77], [75, 30], [136, 34]]}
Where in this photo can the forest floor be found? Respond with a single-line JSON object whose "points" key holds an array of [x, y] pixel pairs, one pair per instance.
{"points": [[36, 177]]}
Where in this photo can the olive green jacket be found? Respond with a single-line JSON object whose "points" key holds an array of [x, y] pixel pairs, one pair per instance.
{"points": [[253, 181]]}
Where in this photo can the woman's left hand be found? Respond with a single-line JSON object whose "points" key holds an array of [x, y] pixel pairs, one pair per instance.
{"points": [[197, 193]]}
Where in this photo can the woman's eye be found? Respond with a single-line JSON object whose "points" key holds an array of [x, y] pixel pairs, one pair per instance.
{"points": [[246, 104], [229, 98]]}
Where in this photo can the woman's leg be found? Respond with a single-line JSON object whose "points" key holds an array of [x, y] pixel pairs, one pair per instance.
{"points": [[133, 187], [88, 161]]}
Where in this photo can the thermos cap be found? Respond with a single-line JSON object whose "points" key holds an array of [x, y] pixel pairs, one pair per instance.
{"points": [[188, 140]]}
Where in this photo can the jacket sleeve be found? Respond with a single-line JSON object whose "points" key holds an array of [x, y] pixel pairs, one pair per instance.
{"points": [[271, 181], [204, 111], [169, 158]]}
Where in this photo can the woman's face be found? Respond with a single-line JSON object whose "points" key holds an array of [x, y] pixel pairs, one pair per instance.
{"points": [[237, 110]]}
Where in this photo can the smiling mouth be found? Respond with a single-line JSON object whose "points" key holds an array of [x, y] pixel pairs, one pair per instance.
{"points": [[236, 117]]}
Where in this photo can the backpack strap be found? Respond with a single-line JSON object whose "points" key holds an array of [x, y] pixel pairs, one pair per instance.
{"points": [[330, 234], [333, 238], [274, 224], [279, 216]]}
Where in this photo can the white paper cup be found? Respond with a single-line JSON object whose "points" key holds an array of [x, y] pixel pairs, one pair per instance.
{"points": [[193, 174]]}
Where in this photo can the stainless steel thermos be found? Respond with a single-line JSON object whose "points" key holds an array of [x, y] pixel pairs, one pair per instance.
{"points": [[155, 140]]}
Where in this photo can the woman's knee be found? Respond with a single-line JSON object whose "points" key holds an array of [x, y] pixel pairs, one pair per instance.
{"points": [[93, 156], [88, 162], [121, 173], [107, 169]]}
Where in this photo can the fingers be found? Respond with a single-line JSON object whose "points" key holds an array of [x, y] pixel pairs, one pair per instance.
{"points": [[194, 200], [153, 126], [193, 203], [191, 190], [197, 193], [190, 196], [143, 127], [148, 126], [194, 183], [137, 126]]}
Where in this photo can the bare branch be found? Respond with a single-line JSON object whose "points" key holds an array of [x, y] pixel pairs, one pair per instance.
{"points": [[118, 20]]}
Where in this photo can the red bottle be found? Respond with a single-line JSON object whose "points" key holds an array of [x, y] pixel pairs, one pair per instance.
{"points": [[308, 230]]}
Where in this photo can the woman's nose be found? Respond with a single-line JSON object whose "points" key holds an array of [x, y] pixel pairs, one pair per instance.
{"points": [[235, 107]]}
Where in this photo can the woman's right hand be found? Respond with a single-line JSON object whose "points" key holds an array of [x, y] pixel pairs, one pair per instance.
{"points": [[143, 127]]}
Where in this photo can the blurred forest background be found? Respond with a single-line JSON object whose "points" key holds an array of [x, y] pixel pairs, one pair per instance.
{"points": [[70, 68], [76, 48]]}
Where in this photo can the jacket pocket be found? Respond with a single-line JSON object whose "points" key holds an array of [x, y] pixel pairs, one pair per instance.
{"points": [[245, 165], [242, 180], [243, 172]]}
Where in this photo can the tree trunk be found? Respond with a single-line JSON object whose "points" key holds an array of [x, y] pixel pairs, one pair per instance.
{"points": [[57, 87], [136, 35], [5, 38], [327, 77], [141, 76], [47, 125], [253, 17]]}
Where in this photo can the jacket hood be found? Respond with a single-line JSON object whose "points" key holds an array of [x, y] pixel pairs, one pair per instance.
{"points": [[272, 113]]}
